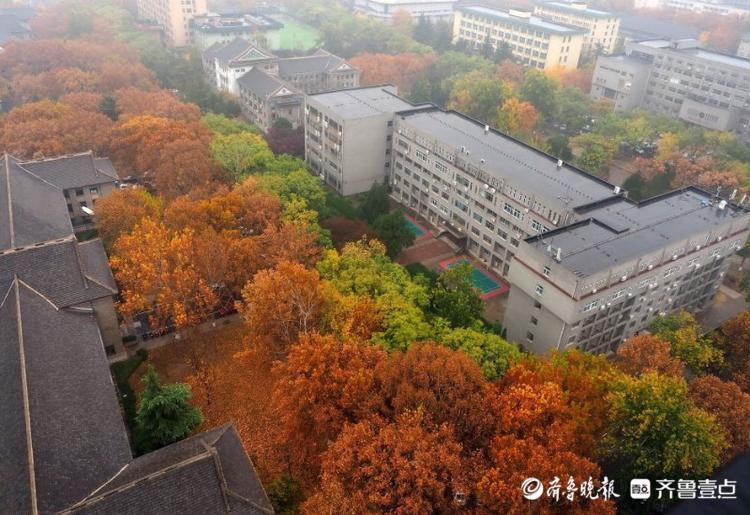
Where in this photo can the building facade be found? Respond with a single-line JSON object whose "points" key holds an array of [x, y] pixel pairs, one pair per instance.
{"points": [[173, 16], [743, 49], [348, 136], [533, 41], [597, 282], [212, 28], [684, 82], [718, 7], [621, 80], [265, 99], [83, 180], [384, 10], [602, 27]]}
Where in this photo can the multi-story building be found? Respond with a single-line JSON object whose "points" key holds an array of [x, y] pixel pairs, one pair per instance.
{"points": [[320, 71], [348, 136], [83, 180], [211, 28], [265, 99], [484, 187], [718, 7], [743, 49], [602, 27], [533, 41], [596, 282], [65, 445], [173, 16], [682, 81], [587, 266], [384, 10]]}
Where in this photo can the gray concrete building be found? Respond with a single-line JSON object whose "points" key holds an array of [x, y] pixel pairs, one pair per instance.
{"points": [[211, 28], [488, 190], [348, 136], [596, 282], [682, 81]]}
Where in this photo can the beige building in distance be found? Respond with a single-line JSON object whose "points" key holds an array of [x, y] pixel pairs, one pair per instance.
{"points": [[174, 16], [602, 27], [533, 41]]}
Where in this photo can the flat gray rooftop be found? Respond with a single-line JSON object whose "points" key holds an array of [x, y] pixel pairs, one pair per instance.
{"points": [[621, 231], [362, 102], [525, 167], [532, 21], [567, 7]]}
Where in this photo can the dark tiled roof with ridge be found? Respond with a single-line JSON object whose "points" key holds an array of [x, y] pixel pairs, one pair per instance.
{"points": [[73, 171]]}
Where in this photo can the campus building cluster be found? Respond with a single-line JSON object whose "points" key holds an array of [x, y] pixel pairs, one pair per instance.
{"points": [[587, 267], [211, 28], [269, 87], [386, 10], [681, 80], [65, 445]]}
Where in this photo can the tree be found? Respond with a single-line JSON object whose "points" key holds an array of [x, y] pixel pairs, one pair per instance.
{"points": [[402, 21], [223, 125], [517, 118], [540, 90], [375, 203], [682, 331], [573, 108], [731, 407], [446, 385], [492, 353], [286, 140], [401, 70], [478, 95], [394, 232], [282, 304], [594, 153], [734, 340], [322, 385], [656, 431], [343, 230], [648, 353], [119, 212], [455, 298], [161, 103], [47, 128], [241, 154], [164, 413], [169, 273], [405, 466], [184, 167], [699, 170]]}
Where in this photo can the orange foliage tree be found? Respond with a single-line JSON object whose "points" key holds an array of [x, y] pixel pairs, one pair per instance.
{"points": [[282, 304], [323, 384], [409, 465], [734, 340], [401, 70], [119, 212], [517, 117], [731, 407], [702, 171], [648, 353], [161, 103], [48, 128]]}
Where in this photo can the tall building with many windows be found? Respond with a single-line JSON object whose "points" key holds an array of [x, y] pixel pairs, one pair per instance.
{"points": [[174, 17], [681, 80], [602, 27], [533, 41], [587, 266], [385, 10]]}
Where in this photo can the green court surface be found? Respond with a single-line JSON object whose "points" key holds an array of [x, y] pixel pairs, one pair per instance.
{"points": [[414, 228], [296, 35], [479, 279]]}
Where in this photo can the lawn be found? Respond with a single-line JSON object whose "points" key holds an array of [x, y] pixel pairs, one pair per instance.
{"points": [[296, 35]]}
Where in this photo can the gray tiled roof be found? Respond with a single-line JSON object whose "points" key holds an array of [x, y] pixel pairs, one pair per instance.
{"points": [[61, 421], [261, 83], [32, 210], [73, 171], [238, 46], [12, 27], [56, 271], [318, 63], [207, 473], [95, 263]]}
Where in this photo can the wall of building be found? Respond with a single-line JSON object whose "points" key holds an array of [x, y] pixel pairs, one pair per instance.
{"points": [[87, 196], [174, 17], [383, 10], [621, 80], [602, 32]]}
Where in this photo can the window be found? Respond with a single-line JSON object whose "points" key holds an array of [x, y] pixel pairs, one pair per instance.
{"points": [[537, 304], [590, 305], [529, 336], [539, 289], [534, 321], [421, 155], [79, 192], [513, 211], [546, 271], [536, 226]]}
